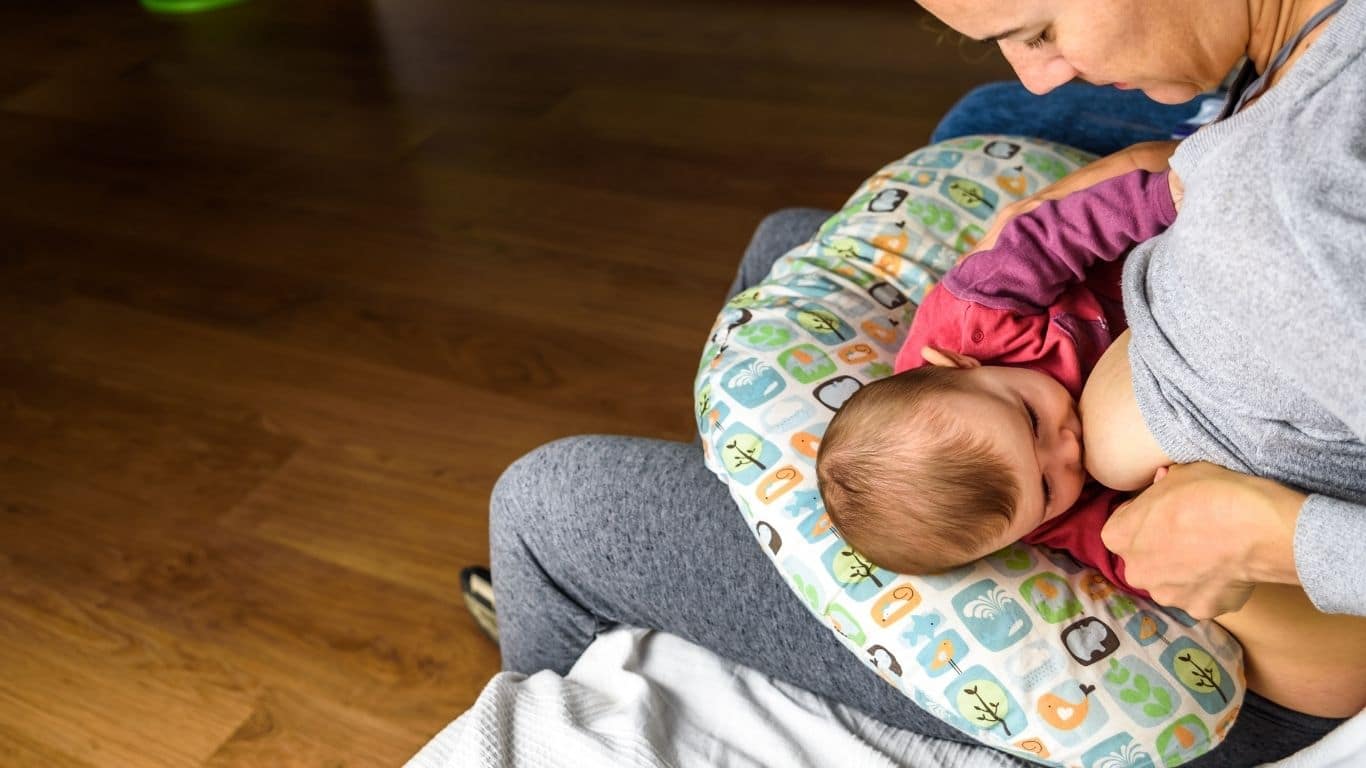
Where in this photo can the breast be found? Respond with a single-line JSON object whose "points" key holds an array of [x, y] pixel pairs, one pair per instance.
{"points": [[1119, 450]]}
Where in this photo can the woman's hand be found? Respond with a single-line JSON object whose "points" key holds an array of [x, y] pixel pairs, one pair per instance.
{"points": [[1149, 156], [1201, 537]]}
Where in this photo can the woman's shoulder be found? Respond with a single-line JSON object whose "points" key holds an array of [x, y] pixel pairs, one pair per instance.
{"points": [[1321, 121], [1313, 120]]}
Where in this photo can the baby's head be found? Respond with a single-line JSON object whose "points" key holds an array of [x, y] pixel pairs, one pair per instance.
{"points": [[940, 465]]}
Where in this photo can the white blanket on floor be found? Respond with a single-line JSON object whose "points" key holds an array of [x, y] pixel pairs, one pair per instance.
{"points": [[643, 698]]}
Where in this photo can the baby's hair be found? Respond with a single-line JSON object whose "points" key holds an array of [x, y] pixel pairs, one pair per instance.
{"points": [[904, 483]]}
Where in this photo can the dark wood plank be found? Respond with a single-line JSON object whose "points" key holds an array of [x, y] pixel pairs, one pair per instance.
{"points": [[132, 618], [284, 287]]}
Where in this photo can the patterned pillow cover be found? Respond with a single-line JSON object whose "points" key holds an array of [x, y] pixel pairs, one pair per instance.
{"points": [[1025, 649]]}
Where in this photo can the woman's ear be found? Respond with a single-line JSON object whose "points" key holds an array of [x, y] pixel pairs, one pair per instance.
{"points": [[946, 359]]}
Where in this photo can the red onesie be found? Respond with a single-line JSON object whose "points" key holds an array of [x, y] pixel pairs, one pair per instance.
{"points": [[1047, 297]]}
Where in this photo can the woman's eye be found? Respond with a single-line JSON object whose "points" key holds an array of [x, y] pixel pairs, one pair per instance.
{"points": [[1038, 40]]}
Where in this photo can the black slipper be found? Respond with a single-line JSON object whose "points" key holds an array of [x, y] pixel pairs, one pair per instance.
{"points": [[477, 586]]}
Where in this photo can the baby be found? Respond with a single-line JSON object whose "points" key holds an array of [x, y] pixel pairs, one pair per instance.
{"points": [[976, 441]]}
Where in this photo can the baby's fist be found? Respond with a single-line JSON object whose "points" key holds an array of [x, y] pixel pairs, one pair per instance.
{"points": [[1177, 188]]}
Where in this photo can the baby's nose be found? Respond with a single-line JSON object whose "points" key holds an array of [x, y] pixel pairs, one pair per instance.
{"points": [[1067, 448]]}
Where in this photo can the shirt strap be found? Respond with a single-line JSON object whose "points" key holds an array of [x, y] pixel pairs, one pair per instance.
{"points": [[1244, 91]]}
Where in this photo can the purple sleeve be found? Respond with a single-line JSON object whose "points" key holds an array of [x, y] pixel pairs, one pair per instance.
{"points": [[1040, 254]]}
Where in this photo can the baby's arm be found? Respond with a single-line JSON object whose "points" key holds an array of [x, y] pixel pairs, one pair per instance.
{"points": [[1007, 290], [1119, 450], [1042, 253]]}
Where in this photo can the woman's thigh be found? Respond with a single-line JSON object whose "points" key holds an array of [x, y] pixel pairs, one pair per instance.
{"points": [[593, 531], [1265, 731], [1091, 118], [1096, 119]]}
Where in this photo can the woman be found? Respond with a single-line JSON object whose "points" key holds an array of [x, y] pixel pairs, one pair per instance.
{"points": [[592, 531]]}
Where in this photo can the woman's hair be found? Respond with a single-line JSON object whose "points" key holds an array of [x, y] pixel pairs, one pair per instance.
{"points": [[904, 483]]}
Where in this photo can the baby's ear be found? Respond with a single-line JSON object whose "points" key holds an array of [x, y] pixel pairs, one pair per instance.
{"points": [[946, 359]]}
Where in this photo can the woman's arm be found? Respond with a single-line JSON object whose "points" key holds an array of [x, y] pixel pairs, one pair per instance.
{"points": [[1148, 156], [1327, 554], [1202, 536]]}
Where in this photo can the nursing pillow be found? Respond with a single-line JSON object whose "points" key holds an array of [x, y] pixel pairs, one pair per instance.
{"points": [[1025, 649]]}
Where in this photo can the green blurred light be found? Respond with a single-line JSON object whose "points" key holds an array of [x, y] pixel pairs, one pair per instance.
{"points": [[185, 6]]}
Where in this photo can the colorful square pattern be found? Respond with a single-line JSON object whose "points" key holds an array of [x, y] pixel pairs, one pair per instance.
{"points": [[1013, 650]]}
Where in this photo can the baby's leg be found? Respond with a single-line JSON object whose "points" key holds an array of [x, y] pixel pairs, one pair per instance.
{"points": [[1120, 451]]}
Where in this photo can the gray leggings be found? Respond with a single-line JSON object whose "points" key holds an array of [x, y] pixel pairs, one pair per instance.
{"points": [[592, 531]]}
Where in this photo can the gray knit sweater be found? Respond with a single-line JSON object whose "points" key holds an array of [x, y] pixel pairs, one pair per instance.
{"points": [[1249, 313]]}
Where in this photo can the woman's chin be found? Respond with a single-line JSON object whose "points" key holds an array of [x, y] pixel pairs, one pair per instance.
{"points": [[1169, 93]]}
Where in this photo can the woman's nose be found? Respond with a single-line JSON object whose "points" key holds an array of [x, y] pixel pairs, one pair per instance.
{"points": [[1039, 72]]}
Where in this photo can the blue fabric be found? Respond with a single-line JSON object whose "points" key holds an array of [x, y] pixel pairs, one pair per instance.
{"points": [[1098, 119]]}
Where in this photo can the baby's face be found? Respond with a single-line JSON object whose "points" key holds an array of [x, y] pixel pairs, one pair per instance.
{"points": [[1032, 423]]}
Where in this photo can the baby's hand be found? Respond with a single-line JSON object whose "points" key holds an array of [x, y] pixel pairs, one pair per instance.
{"points": [[1178, 189]]}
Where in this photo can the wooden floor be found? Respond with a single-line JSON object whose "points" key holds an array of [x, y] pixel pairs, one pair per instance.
{"points": [[283, 287]]}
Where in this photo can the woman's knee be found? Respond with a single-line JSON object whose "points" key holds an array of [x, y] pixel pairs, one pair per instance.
{"points": [[785, 229], [778, 233], [549, 488], [521, 492]]}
